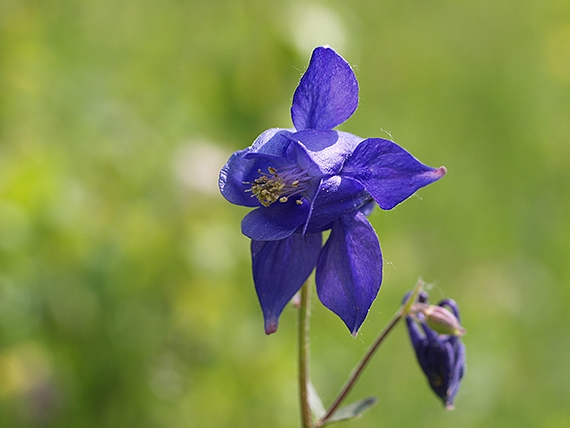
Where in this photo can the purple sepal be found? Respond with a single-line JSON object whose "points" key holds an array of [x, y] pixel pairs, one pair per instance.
{"points": [[349, 269], [336, 196], [279, 270], [389, 172], [327, 94]]}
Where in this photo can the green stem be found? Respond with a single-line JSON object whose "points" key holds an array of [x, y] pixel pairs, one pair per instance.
{"points": [[304, 328], [357, 371]]}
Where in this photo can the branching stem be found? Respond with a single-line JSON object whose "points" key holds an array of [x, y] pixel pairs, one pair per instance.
{"points": [[357, 371]]}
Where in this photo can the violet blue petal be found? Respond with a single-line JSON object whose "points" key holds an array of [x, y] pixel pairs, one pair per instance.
{"points": [[241, 169], [275, 222], [232, 177], [328, 149], [458, 372], [298, 154], [440, 365], [245, 166], [416, 336], [327, 94], [294, 154], [336, 196], [279, 270], [389, 172], [349, 269], [274, 142]]}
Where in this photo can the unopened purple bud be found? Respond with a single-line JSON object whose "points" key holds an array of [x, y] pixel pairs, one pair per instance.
{"points": [[438, 346]]}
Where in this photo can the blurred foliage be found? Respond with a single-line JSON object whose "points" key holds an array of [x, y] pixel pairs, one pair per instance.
{"points": [[125, 291]]}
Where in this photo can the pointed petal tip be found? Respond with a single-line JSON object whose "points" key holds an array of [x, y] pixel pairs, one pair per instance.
{"points": [[271, 325], [354, 332], [440, 172], [434, 175]]}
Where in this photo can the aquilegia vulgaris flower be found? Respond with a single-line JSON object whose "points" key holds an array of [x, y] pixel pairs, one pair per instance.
{"points": [[441, 356], [306, 180]]}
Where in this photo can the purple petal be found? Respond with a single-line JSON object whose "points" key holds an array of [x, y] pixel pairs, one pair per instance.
{"points": [[232, 178], [275, 222], [328, 149], [458, 372], [244, 166], [279, 270], [417, 337], [294, 153], [241, 170], [274, 142], [349, 270], [298, 154], [327, 94], [336, 196], [389, 172]]}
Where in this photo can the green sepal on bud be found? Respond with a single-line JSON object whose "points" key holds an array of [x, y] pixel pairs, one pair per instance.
{"points": [[440, 319]]}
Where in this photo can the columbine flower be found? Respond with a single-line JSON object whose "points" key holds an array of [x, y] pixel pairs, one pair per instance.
{"points": [[441, 356], [312, 178]]}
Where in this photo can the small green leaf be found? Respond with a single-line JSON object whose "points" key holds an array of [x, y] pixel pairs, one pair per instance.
{"points": [[315, 402], [353, 410]]}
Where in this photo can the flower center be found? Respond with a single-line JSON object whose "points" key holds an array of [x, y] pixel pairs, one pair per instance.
{"points": [[279, 185]]}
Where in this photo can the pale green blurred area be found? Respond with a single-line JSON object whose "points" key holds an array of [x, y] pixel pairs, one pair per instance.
{"points": [[126, 298]]}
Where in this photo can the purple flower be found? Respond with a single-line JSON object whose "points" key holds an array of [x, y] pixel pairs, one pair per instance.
{"points": [[306, 180], [441, 356]]}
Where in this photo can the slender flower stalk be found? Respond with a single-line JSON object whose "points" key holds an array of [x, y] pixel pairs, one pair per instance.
{"points": [[304, 355], [357, 371]]}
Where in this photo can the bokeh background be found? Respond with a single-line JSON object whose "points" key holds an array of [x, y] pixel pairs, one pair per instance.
{"points": [[126, 298]]}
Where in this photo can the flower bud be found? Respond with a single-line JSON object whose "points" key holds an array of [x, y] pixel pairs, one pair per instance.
{"points": [[438, 346], [442, 321]]}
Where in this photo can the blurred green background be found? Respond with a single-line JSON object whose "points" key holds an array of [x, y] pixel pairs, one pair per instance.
{"points": [[126, 298]]}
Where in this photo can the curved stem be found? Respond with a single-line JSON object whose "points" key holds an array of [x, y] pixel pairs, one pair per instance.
{"points": [[357, 371], [304, 328]]}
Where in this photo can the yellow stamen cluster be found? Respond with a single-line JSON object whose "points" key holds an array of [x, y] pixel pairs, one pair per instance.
{"points": [[269, 188]]}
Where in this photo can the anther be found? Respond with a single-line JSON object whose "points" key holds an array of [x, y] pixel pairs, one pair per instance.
{"points": [[272, 186]]}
